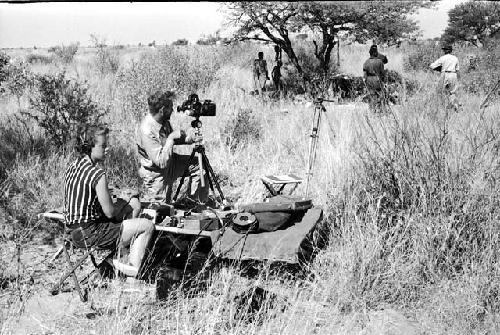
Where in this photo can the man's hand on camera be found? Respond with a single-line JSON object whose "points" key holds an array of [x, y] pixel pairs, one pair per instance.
{"points": [[177, 134], [192, 137]]}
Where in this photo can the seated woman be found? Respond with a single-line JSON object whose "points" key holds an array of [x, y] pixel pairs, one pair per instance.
{"points": [[90, 214]]}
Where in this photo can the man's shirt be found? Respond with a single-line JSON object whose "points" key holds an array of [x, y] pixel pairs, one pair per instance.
{"points": [[448, 63], [374, 67], [153, 144]]}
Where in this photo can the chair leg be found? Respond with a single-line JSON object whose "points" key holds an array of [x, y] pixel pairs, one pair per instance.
{"points": [[57, 254], [71, 272]]}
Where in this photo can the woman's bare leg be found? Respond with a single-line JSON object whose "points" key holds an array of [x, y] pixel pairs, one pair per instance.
{"points": [[143, 229]]}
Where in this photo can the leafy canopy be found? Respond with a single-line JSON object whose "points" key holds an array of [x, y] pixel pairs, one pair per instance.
{"points": [[473, 21], [384, 21]]}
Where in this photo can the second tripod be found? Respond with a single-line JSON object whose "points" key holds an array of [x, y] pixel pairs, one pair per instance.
{"points": [[319, 109], [204, 168]]}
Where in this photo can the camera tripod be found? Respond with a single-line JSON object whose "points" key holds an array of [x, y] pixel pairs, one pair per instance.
{"points": [[198, 155], [319, 109]]}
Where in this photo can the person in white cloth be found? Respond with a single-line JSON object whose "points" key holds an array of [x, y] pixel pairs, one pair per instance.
{"points": [[449, 68]]}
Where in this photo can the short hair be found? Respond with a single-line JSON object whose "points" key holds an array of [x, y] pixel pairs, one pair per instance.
{"points": [[260, 54], [447, 48], [373, 52], [159, 99], [373, 47], [86, 141]]}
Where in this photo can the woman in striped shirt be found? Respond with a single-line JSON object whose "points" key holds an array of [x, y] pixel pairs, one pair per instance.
{"points": [[91, 215]]}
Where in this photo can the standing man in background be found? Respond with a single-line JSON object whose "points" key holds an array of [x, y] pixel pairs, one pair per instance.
{"points": [[448, 82], [382, 57], [260, 73], [374, 77]]}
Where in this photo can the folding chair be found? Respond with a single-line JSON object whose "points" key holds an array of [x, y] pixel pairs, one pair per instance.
{"points": [[72, 267]]}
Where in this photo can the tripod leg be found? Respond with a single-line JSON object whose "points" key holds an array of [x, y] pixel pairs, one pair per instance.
{"points": [[200, 168], [313, 145], [184, 175], [212, 177]]}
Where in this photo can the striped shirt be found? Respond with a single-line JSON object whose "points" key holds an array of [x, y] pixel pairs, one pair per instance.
{"points": [[81, 206]]}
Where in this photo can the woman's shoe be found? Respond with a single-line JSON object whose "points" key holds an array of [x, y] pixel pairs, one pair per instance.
{"points": [[127, 269]]}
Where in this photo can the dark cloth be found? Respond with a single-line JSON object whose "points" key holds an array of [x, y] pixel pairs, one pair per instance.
{"points": [[374, 66], [276, 75], [375, 75], [383, 58], [81, 205], [104, 235]]}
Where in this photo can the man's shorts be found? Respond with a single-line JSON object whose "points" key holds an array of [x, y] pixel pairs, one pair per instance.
{"points": [[104, 235]]}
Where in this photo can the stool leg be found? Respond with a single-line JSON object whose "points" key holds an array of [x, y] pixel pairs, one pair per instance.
{"points": [[71, 272]]}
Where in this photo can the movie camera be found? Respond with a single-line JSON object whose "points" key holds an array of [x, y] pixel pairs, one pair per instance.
{"points": [[195, 108]]}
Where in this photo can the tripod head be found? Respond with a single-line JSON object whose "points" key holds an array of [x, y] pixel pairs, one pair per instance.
{"points": [[321, 100]]}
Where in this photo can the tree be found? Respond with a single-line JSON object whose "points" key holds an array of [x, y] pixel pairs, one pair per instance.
{"points": [[472, 21], [180, 41], [385, 21]]}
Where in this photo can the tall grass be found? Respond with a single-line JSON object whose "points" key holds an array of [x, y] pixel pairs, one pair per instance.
{"points": [[410, 196]]}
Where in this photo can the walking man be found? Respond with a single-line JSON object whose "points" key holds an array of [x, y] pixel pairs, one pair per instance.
{"points": [[374, 77], [448, 82]]}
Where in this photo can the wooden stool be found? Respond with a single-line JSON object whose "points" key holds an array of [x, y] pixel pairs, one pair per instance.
{"points": [[275, 184]]}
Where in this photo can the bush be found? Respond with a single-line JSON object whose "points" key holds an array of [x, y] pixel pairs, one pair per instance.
{"points": [[37, 58], [107, 60], [485, 76], [183, 71], [65, 53], [18, 78], [4, 61], [181, 41], [63, 108], [421, 57]]}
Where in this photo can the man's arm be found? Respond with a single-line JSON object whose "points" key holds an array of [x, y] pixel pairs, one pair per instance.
{"points": [[437, 64], [159, 154]]}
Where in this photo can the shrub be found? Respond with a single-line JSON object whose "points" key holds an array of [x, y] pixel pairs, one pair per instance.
{"points": [[421, 57], [485, 76], [65, 53], [63, 108], [18, 78], [37, 58], [107, 60], [4, 62], [183, 71], [181, 41]]}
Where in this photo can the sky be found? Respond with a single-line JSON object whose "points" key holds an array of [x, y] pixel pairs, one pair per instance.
{"points": [[54, 23]]}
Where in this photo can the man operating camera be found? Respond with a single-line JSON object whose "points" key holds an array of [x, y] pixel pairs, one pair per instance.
{"points": [[159, 165]]}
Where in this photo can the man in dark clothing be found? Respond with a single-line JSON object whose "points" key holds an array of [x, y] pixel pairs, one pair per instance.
{"points": [[374, 76], [382, 57], [276, 75]]}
